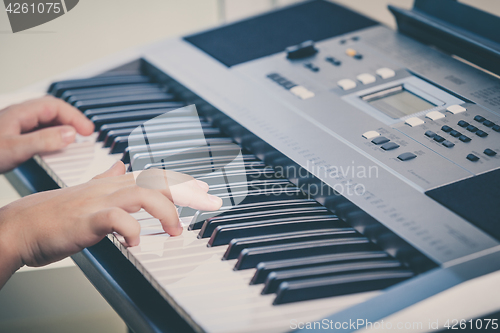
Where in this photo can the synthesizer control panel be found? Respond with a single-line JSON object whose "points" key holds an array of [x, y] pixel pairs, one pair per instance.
{"points": [[379, 117], [402, 120]]}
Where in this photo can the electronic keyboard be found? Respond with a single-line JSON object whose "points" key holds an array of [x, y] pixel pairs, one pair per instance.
{"points": [[358, 167]]}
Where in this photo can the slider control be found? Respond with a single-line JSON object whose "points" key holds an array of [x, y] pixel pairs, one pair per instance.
{"points": [[302, 50]]}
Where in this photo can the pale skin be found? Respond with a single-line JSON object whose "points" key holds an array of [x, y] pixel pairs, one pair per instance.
{"points": [[45, 227]]}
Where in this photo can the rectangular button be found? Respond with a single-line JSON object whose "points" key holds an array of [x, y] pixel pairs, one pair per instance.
{"points": [[434, 115], [407, 156], [301, 92], [385, 72], [464, 138], [346, 84], [430, 134], [390, 146], [380, 140], [472, 157], [370, 135], [438, 138], [448, 144], [366, 78], [456, 109], [414, 122]]}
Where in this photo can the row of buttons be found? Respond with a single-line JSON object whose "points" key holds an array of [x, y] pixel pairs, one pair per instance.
{"points": [[434, 115], [366, 78], [487, 123], [354, 38], [440, 139], [333, 61], [387, 144], [353, 53], [350, 52], [311, 66], [299, 91], [487, 151], [285, 83], [470, 128]]}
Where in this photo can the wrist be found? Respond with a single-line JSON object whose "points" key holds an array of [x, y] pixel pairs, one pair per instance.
{"points": [[10, 260]]}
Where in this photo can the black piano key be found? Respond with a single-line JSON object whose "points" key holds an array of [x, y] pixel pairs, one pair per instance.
{"points": [[250, 258], [238, 244], [211, 163], [125, 91], [274, 279], [113, 134], [58, 88], [139, 161], [124, 100], [295, 291], [266, 267], [132, 151], [251, 175], [121, 143], [137, 107], [222, 235], [198, 170], [260, 196], [267, 206], [266, 184], [175, 116], [128, 116], [107, 89], [266, 187], [210, 224]]}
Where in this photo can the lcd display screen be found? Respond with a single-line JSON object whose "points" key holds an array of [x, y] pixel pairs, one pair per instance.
{"points": [[397, 102]]}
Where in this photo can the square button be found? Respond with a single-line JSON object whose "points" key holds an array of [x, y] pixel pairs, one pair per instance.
{"points": [[455, 134], [385, 72], [407, 156], [489, 152], [390, 146], [464, 138], [481, 134], [488, 123], [366, 78], [463, 123], [446, 129], [456, 109], [438, 138], [434, 115], [479, 118], [472, 128], [414, 122], [370, 134], [301, 92], [448, 144], [346, 84], [472, 157], [430, 134], [380, 140]]}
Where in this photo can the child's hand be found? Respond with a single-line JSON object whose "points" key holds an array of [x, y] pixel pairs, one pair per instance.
{"points": [[40, 125], [48, 226]]}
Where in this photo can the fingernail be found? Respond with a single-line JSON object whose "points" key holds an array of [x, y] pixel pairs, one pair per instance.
{"points": [[203, 185], [215, 199], [68, 134]]}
